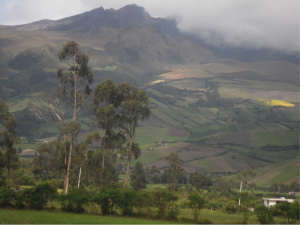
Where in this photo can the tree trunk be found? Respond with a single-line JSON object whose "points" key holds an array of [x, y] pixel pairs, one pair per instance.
{"points": [[67, 178], [65, 167], [69, 164], [75, 91], [128, 164], [129, 153], [103, 159]]}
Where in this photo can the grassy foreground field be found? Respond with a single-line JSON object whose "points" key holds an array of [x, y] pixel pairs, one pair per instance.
{"points": [[43, 217]]}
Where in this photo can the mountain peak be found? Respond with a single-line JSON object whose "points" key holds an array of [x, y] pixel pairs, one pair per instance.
{"points": [[100, 17]]}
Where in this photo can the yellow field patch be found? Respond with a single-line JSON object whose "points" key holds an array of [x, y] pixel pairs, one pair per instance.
{"points": [[275, 102], [281, 103]]}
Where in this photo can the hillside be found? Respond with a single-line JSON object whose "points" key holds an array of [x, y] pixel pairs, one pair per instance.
{"points": [[220, 115]]}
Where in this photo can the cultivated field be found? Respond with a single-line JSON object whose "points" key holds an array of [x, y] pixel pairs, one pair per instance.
{"points": [[242, 138]]}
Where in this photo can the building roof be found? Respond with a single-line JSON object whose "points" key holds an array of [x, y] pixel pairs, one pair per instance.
{"points": [[29, 152], [279, 199]]}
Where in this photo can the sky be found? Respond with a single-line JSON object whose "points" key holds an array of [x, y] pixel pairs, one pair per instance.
{"points": [[251, 24]]}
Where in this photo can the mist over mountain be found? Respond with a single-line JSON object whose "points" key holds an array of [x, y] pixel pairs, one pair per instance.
{"points": [[223, 109]]}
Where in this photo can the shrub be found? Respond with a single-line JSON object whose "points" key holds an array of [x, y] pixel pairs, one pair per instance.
{"points": [[196, 203], [164, 199], [7, 197], [74, 201], [127, 201], [57, 183], [38, 196], [264, 215], [26, 180], [106, 199], [230, 207]]}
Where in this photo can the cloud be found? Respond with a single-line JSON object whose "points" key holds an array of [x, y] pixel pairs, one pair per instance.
{"points": [[250, 24]]}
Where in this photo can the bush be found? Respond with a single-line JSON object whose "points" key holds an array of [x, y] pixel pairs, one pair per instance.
{"points": [[204, 221], [74, 201], [7, 197], [230, 207], [127, 201], [106, 199], [38, 196], [164, 199], [57, 183], [196, 203], [264, 215], [26, 180]]}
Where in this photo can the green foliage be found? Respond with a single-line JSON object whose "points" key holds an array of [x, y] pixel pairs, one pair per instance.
{"points": [[230, 207], [165, 201], [138, 177], [7, 197], [127, 201], [38, 196], [26, 180], [264, 215], [107, 199], [289, 211], [174, 171], [8, 139], [247, 201], [200, 180], [74, 201], [196, 203]]}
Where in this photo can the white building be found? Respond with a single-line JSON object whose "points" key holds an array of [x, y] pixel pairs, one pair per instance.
{"points": [[273, 201]]}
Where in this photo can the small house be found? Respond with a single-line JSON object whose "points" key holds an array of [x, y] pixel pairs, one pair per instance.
{"points": [[273, 201], [29, 153]]}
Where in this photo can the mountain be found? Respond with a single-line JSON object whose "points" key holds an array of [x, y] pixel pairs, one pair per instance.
{"points": [[220, 114], [128, 39]]}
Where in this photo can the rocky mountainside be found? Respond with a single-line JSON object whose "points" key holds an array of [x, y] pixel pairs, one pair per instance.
{"points": [[97, 18], [129, 42]]}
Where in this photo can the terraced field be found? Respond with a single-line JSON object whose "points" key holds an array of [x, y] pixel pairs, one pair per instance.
{"points": [[280, 137]]}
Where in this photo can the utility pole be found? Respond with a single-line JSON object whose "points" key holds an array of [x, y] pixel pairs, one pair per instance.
{"points": [[241, 185], [79, 177]]}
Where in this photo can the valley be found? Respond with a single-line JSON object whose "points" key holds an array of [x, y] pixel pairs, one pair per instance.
{"points": [[221, 116]]}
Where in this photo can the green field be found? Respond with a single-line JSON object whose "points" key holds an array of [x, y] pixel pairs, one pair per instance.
{"points": [[107, 68], [44, 217], [149, 135], [165, 118], [281, 138]]}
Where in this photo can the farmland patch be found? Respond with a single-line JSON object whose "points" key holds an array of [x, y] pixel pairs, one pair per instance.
{"points": [[179, 132], [281, 138], [243, 138], [220, 165]]}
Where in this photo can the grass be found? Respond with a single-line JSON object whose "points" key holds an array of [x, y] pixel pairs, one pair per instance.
{"points": [[275, 156], [165, 118], [248, 127], [206, 131], [202, 163], [159, 153], [107, 68], [158, 103], [44, 217], [149, 135], [178, 117], [281, 138]]}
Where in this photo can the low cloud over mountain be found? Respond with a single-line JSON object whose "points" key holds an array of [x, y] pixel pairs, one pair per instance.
{"points": [[271, 24]]}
